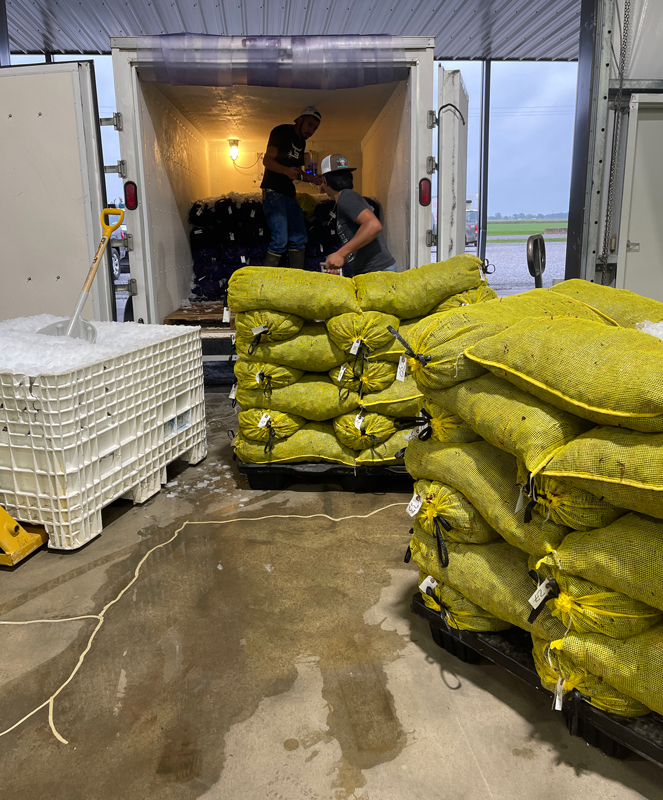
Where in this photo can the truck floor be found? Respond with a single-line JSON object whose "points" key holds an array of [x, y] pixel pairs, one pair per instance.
{"points": [[273, 658]]}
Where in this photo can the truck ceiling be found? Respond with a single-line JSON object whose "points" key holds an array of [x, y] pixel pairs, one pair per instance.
{"points": [[504, 30]]}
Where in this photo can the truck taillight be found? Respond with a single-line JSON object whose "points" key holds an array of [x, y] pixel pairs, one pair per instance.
{"points": [[425, 192], [131, 195]]}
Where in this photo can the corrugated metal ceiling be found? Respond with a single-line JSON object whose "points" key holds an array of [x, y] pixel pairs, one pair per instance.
{"points": [[545, 30]]}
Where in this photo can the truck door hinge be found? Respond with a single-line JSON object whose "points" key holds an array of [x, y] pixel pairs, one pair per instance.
{"points": [[432, 119], [115, 120], [128, 242], [120, 168], [130, 286], [431, 238], [431, 165]]}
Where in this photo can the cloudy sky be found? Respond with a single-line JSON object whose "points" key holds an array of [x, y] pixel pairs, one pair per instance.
{"points": [[531, 132]]}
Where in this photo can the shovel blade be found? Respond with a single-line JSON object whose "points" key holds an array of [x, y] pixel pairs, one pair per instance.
{"points": [[81, 330]]}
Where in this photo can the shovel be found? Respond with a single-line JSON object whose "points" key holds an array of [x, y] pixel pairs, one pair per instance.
{"points": [[75, 327]]}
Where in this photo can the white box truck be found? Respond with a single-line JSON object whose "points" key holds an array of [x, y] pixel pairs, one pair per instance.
{"points": [[175, 120]]}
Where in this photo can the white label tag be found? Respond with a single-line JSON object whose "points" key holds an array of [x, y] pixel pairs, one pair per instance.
{"points": [[264, 420], [200, 211], [402, 368], [232, 236], [559, 694], [230, 209], [198, 231], [521, 499], [359, 421], [226, 314], [414, 505], [253, 213], [412, 435], [259, 377], [259, 329], [243, 259], [233, 392], [355, 347], [260, 231], [233, 339], [341, 372], [540, 594], [428, 582]]}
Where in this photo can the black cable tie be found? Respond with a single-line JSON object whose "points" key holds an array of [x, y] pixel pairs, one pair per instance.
{"points": [[231, 434], [400, 454], [442, 552], [268, 385], [528, 510], [425, 433], [254, 343], [270, 441], [408, 350], [444, 523], [553, 591], [455, 108], [408, 555]]}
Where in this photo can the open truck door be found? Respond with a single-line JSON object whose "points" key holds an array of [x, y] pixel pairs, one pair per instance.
{"points": [[53, 190]]}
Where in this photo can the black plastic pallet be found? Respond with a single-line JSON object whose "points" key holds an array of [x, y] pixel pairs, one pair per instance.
{"points": [[392, 478], [512, 649]]}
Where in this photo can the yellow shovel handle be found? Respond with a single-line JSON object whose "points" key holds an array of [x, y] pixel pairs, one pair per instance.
{"points": [[108, 230], [111, 212]]}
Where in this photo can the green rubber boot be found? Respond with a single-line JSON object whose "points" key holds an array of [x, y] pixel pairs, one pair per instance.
{"points": [[272, 259], [296, 258]]}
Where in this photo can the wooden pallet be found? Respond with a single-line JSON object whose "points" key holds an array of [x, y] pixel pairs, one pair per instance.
{"points": [[207, 314]]}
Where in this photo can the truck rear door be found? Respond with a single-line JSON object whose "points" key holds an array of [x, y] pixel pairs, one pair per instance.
{"points": [[53, 191]]}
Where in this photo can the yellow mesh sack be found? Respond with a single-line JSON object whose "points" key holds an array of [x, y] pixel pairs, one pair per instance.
{"points": [[394, 349], [312, 295], [625, 307], [509, 418], [369, 328], [481, 294], [264, 377], [634, 666], [401, 399], [488, 479], [463, 521], [307, 203], [361, 432], [392, 452], [624, 556], [494, 576], [564, 503], [311, 350], [314, 442], [314, 397], [611, 376], [586, 607], [551, 665], [447, 427], [374, 377], [416, 292], [459, 612], [279, 326], [438, 342], [624, 467], [277, 426]]}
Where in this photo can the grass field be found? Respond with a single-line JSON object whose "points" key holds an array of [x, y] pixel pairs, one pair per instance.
{"points": [[522, 227]]}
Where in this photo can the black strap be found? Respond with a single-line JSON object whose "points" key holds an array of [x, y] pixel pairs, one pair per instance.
{"points": [[375, 440], [408, 555], [268, 388], [399, 454], [529, 508], [442, 552], [408, 350], [254, 343], [231, 434], [270, 441], [553, 591]]}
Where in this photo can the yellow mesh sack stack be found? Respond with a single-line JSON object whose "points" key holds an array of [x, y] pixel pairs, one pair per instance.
{"points": [[554, 665], [313, 397], [585, 607], [268, 326], [438, 343], [401, 399], [445, 426], [625, 307], [416, 292], [373, 377], [487, 477], [580, 367], [367, 330], [259, 425], [511, 419], [390, 453], [360, 432], [311, 295], [481, 294], [459, 612], [441, 504], [312, 350], [633, 666], [624, 556], [314, 442], [260, 376]]}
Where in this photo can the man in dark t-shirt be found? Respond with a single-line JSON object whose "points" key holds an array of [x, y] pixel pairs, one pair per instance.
{"points": [[360, 231], [283, 160]]}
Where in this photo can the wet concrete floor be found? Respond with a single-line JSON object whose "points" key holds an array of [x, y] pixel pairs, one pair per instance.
{"points": [[262, 658]]}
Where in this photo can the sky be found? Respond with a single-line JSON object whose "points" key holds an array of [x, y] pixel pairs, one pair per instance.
{"points": [[531, 132]]}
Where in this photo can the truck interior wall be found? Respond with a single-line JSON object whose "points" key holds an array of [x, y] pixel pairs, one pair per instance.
{"points": [[386, 171], [177, 170]]}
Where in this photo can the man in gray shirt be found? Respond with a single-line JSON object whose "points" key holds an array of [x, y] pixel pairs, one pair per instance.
{"points": [[360, 231]]}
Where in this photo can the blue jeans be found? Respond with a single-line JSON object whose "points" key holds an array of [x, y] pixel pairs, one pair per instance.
{"points": [[286, 222]]}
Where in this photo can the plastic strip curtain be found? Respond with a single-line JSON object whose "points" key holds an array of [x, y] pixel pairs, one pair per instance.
{"points": [[291, 62]]}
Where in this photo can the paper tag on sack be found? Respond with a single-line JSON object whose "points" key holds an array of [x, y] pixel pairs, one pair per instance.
{"points": [[412, 435], [521, 499], [199, 211], [243, 259], [264, 420], [230, 209], [341, 372], [253, 213], [359, 421], [232, 236], [226, 314], [259, 376], [233, 392], [259, 329], [540, 594], [428, 582], [559, 694], [414, 505], [355, 347], [402, 368]]}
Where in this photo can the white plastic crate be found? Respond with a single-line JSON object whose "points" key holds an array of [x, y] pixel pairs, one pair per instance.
{"points": [[73, 442]]}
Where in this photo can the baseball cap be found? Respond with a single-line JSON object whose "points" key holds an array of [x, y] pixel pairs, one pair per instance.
{"points": [[311, 111], [335, 162]]}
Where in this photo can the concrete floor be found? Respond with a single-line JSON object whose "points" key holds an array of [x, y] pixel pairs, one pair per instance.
{"points": [[263, 659]]}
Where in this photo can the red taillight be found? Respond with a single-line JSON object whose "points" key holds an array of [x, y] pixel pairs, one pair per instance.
{"points": [[131, 195], [425, 192], [476, 229]]}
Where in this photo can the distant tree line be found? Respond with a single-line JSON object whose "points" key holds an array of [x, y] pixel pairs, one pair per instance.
{"points": [[558, 215]]}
